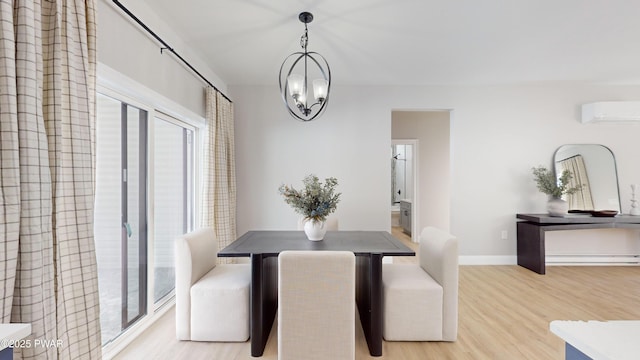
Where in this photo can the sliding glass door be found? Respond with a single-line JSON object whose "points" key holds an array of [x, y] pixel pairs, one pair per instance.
{"points": [[121, 214], [145, 181], [173, 197]]}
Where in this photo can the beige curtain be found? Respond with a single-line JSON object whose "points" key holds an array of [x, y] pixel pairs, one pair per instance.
{"points": [[218, 208], [47, 131], [581, 199]]}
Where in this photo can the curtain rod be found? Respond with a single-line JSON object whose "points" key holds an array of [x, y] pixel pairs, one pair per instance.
{"points": [[167, 47]]}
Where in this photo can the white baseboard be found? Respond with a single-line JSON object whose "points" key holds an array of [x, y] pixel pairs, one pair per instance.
{"points": [[614, 259], [552, 260], [488, 260]]}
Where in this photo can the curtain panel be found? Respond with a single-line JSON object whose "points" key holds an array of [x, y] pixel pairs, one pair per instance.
{"points": [[47, 131], [218, 206]]}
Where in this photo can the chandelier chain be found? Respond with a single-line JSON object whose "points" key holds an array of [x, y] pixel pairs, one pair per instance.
{"points": [[304, 39]]}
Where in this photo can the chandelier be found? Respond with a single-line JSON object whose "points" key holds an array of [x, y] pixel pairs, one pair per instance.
{"points": [[295, 73]]}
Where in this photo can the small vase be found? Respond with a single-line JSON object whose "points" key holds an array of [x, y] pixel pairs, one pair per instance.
{"points": [[557, 207], [315, 230]]}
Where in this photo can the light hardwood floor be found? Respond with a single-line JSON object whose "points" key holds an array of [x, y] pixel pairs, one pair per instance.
{"points": [[504, 313]]}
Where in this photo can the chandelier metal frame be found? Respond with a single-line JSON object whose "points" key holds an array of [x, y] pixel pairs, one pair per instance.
{"points": [[296, 104]]}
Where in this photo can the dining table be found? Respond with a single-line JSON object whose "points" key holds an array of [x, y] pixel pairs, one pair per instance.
{"points": [[263, 247]]}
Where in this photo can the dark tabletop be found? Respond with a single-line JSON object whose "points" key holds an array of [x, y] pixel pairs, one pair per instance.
{"points": [[578, 219], [271, 243]]}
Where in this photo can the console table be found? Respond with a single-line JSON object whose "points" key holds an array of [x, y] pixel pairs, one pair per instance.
{"points": [[531, 233]]}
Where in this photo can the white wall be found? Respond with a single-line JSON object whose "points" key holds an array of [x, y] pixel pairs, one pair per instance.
{"points": [[128, 49], [497, 134], [273, 148]]}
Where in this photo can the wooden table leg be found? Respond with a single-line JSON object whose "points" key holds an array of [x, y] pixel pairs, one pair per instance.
{"points": [[264, 300], [531, 249], [369, 299]]}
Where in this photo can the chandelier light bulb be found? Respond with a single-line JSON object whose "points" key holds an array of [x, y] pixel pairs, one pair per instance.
{"points": [[320, 87], [302, 100], [295, 83]]}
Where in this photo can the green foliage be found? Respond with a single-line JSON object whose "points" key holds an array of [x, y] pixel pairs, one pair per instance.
{"points": [[548, 184], [316, 201]]}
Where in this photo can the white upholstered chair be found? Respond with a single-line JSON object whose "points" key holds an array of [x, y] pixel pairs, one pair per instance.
{"points": [[316, 305], [212, 301], [421, 301]]}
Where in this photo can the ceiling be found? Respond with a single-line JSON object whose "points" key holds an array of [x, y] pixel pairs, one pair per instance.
{"points": [[417, 42]]}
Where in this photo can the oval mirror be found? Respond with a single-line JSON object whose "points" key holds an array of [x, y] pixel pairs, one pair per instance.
{"points": [[593, 167]]}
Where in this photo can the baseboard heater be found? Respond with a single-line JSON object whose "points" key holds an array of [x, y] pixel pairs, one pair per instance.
{"points": [[614, 259]]}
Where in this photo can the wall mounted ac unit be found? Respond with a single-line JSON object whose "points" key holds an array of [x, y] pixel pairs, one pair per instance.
{"points": [[611, 112]]}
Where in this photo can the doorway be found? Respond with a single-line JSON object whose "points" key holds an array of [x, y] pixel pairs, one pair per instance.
{"points": [[431, 200], [404, 180]]}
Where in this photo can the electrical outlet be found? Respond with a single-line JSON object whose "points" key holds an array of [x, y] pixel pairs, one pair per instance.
{"points": [[504, 235]]}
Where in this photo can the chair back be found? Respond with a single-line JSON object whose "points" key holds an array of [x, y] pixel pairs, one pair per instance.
{"points": [[195, 255], [199, 251], [316, 310], [438, 256]]}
